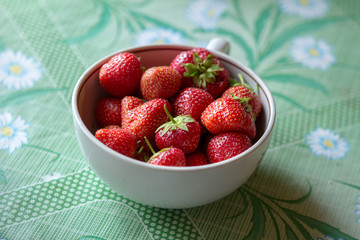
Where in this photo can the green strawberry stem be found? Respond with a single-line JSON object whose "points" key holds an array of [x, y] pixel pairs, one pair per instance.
{"points": [[149, 144], [155, 154], [234, 83], [202, 72], [169, 115], [175, 123], [140, 151]]}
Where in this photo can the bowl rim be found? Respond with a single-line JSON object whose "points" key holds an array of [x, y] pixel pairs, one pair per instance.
{"points": [[224, 58]]}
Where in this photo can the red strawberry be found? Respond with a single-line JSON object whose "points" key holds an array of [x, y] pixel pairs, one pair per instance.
{"points": [[129, 103], [227, 115], [108, 111], [144, 119], [227, 145], [120, 140], [160, 82], [244, 90], [182, 132], [167, 157], [112, 127], [180, 59], [201, 69], [191, 101], [121, 75], [196, 159]]}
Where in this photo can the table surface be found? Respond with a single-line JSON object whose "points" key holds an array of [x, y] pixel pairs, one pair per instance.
{"points": [[307, 52]]}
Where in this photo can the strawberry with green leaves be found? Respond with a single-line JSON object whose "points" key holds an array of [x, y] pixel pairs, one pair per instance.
{"points": [[229, 114], [201, 69], [243, 90], [108, 111], [121, 75], [171, 156], [160, 82], [227, 145], [120, 140], [182, 132]]}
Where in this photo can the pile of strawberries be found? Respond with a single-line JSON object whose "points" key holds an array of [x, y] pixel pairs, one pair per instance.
{"points": [[189, 113]]}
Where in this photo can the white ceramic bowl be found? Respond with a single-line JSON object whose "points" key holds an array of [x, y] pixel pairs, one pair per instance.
{"points": [[159, 186]]}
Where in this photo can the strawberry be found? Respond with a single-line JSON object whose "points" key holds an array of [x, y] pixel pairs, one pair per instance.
{"points": [[227, 145], [145, 118], [201, 69], [167, 157], [244, 90], [160, 82], [112, 127], [191, 101], [121, 75], [120, 140], [129, 103], [227, 115], [196, 159], [108, 111], [182, 132]]}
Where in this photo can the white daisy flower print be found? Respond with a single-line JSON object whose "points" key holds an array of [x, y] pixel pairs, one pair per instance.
{"points": [[17, 70], [158, 36], [324, 142], [12, 134], [312, 53], [206, 13], [305, 8]]}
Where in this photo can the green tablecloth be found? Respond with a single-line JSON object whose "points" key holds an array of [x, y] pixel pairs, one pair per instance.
{"points": [[307, 52]]}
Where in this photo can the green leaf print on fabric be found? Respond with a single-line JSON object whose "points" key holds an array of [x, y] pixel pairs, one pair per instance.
{"points": [[265, 209], [97, 28], [299, 29], [22, 96], [264, 56], [123, 15], [296, 79]]}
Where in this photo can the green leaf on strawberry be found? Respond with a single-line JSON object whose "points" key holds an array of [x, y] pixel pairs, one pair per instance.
{"points": [[175, 123], [202, 72]]}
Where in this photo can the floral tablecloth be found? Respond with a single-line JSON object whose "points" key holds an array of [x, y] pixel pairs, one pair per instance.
{"points": [[307, 51]]}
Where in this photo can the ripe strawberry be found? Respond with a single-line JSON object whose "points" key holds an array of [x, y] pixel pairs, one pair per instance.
{"points": [[108, 111], [112, 127], [191, 101], [129, 103], [201, 69], [196, 159], [120, 140], [121, 75], [160, 82], [227, 115], [182, 132], [167, 157], [227, 145], [144, 119], [244, 90]]}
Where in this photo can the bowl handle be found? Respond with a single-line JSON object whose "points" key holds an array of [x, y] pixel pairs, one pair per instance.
{"points": [[219, 44]]}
